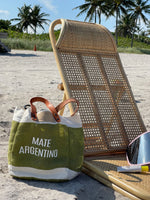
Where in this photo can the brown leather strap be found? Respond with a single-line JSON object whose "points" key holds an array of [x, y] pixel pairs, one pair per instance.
{"points": [[47, 103], [62, 104]]}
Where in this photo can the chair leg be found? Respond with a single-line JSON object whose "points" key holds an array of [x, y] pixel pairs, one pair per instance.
{"points": [[62, 110]]}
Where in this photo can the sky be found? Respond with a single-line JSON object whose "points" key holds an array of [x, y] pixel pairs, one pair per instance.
{"points": [[55, 8]]}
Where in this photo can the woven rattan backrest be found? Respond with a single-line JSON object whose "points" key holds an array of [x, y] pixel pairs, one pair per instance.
{"points": [[91, 71]]}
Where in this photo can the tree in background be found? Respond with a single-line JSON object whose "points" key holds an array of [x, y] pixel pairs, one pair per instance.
{"points": [[116, 8], [138, 11], [148, 28], [125, 26], [37, 18], [5, 24], [30, 17], [93, 8], [24, 18]]}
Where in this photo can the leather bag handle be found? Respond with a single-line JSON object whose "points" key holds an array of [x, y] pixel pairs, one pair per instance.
{"points": [[47, 103], [64, 103]]}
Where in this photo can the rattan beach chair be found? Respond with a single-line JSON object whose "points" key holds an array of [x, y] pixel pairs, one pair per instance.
{"points": [[92, 72]]}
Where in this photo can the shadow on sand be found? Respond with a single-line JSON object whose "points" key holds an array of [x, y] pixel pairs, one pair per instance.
{"points": [[83, 187], [19, 54]]}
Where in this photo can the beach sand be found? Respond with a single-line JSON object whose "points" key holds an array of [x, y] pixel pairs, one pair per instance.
{"points": [[25, 74]]}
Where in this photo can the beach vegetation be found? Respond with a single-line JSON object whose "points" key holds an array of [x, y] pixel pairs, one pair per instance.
{"points": [[18, 40], [26, 44], [26, 41]]}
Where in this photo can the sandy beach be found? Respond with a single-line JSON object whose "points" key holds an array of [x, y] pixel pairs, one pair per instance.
{"points": [[25, 74]]}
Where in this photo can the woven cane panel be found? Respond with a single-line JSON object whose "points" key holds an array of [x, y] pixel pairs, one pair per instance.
{"points": [[107, 111], [122, 97]]}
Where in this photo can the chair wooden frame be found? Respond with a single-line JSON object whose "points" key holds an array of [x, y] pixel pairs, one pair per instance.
{"points": [[91, 71]]}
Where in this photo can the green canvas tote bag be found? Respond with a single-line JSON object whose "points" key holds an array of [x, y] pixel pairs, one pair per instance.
{"points": [[44, 145]]}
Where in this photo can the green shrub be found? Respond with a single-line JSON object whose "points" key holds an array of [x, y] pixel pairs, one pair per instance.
{"points": [[133, 50], [20, 35], [26, 44]]}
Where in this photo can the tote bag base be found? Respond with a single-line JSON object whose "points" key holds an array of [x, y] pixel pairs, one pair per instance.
{"points": [[57, 174]]}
